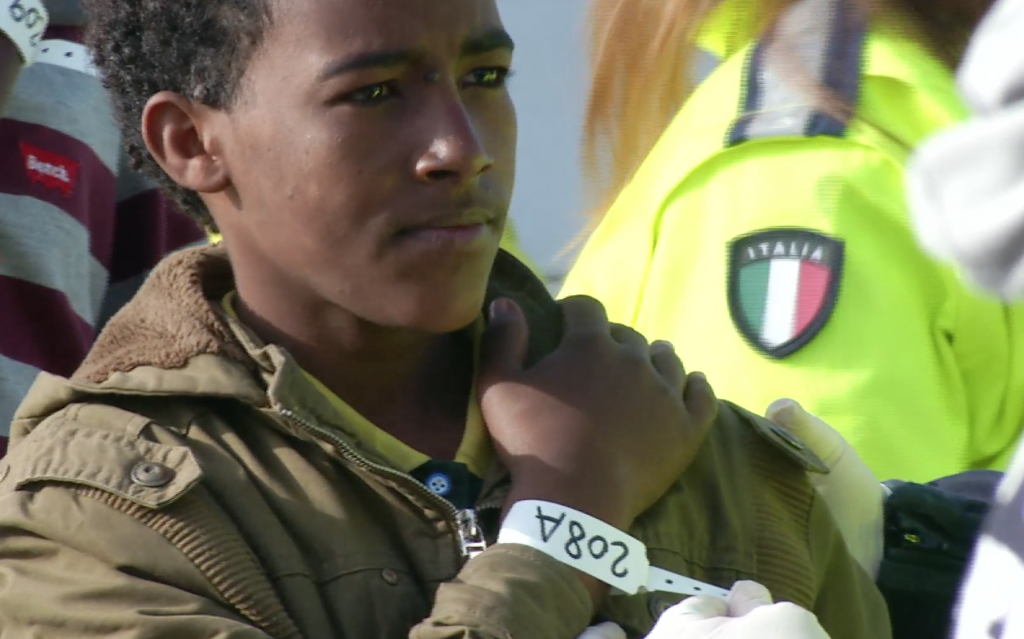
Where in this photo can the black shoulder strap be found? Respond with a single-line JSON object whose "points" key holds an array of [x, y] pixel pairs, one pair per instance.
{"points": [[813, 53]]}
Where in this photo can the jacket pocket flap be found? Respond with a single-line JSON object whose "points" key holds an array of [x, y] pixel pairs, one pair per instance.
{"points": [[64, 451]]}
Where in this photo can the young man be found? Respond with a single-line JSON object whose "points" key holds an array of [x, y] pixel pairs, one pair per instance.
{"points": [[302, 433], [78, 228]]}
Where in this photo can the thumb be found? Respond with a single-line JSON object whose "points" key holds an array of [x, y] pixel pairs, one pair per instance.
{"points": [[692, 610], [504, 342], [746, 596], [824, 440], [851, 490]]}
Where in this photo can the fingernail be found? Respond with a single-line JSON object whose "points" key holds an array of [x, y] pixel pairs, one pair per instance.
{"points": [[783, 412], [663, 344], [501, 308], [750, 592], [699, 375], [780, 404]]}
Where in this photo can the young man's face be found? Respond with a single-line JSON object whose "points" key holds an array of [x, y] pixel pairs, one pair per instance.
{"points": [[372, 151]]}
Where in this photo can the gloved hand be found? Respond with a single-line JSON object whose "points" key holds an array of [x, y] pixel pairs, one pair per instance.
{"points": [[749, 614], [852, 492], [606, 630]]}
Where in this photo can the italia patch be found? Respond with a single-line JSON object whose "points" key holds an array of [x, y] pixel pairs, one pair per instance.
{"points": [[783, 287]]}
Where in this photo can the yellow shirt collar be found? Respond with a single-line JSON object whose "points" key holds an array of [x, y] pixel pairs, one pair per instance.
{"points": [[475, 451]]}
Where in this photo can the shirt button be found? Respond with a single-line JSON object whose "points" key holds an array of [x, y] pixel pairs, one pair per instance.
{"points": [[151, 474], [389, 576], [439, 484]]}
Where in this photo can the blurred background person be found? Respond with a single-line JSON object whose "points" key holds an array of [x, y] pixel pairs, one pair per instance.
{"points": [[758, 220], [967, 194], [79, 228], [966, 197]]}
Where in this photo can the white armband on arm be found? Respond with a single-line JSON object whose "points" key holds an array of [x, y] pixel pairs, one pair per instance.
{"points": [[595, 548], [24, 22]]}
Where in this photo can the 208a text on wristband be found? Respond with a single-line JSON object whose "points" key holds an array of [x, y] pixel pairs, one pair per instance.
{"points": [[597, 546], [594, 548]]}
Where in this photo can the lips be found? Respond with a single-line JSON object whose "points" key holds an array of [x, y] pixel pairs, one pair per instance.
{"points": [[468, 218], [468, 231]]}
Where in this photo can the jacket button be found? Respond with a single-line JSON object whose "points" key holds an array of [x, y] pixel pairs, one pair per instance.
{"points": [[389, 576], [151, 474]]}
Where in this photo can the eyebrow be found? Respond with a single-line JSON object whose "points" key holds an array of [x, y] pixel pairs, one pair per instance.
{"points": [[369, 60], [493, 40], [486, 42]]}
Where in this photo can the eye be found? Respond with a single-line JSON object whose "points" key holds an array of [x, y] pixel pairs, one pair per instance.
{"points": [[372, 94], [487, 78]]}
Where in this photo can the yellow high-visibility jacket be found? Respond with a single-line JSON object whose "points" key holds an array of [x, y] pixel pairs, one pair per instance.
{"points": [[770, 242]]}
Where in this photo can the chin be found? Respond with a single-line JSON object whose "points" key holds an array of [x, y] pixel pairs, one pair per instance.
{"points": [[441, 300], [437, 305], [445, 314]]}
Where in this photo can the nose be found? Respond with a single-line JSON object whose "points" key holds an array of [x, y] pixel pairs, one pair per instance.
{"points": [[455, 152]]}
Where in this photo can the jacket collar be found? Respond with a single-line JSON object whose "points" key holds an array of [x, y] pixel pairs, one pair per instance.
{"points": [[172, 339]]}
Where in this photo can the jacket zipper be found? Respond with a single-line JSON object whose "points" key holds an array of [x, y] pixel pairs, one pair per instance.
{"points": [[469, 537]]}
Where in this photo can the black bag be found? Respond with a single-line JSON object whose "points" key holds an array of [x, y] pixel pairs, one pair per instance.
{"points": [[930, 532]]}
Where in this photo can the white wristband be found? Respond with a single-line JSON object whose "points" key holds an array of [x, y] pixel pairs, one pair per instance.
{"points": [[595, 548], [69, 55], [24, 21]]}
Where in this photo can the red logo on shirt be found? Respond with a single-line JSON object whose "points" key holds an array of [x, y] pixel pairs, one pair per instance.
{"points": [[52, 170]]}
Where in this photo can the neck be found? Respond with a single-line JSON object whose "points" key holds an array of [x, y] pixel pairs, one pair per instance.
{"points": [[414, 385]]}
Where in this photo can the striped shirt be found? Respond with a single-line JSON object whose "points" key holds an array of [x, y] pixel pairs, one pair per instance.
{"points": [[78, 229]]}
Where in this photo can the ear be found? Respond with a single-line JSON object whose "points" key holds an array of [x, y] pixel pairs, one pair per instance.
{"points": [[182, 137]]}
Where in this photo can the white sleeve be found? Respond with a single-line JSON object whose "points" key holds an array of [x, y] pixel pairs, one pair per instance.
{"points": [[992, 597]]}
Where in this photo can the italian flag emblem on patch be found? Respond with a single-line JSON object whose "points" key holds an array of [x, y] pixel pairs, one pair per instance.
{"points": [[783, 286]]}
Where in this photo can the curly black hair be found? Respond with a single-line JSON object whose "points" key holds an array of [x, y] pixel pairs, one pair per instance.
{"points": [[197, 48]]}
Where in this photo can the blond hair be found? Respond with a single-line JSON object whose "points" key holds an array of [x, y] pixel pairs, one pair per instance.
{"points": [[642, 54]]}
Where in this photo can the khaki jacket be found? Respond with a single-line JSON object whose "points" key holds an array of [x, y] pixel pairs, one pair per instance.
{"points": [[189, 483]]}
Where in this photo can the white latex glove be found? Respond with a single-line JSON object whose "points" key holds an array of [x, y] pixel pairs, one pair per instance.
{"points": [[749, 614], [851, 490], [606, 630]]}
